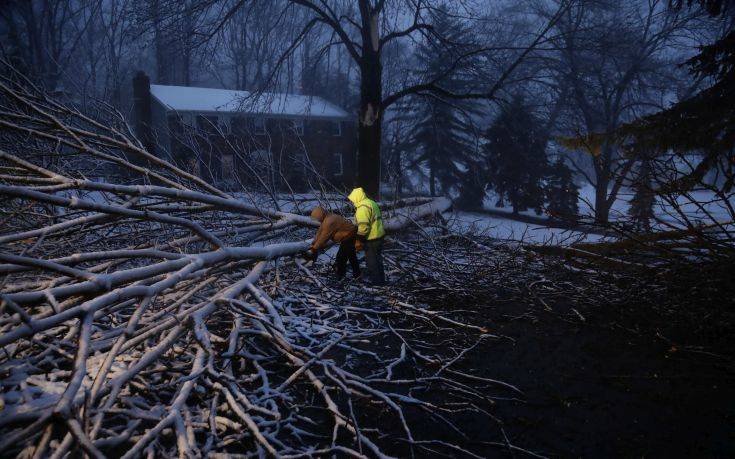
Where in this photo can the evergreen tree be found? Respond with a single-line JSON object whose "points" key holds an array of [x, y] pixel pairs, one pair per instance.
{"points": [[515, 153], [472, 187], [442, 139], [562, 194], [704, 121]]}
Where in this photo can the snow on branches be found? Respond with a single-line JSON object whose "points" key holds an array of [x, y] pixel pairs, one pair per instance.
{"points": [[154, 314]]}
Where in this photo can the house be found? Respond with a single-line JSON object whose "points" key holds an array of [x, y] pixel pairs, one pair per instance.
{"points": [[235, 138]]}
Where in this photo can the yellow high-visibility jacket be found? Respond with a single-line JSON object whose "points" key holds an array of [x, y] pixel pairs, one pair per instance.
{"points": [[367, 215]]}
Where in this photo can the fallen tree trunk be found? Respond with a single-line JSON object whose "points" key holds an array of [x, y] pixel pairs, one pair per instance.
{"points": [[170, 318]]}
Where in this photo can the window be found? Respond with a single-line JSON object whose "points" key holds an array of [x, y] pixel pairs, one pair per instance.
{"points": [[336, 129], [228, 168], [298, 126], [239, 126], [206, 123], [259, 126], [260, 164], [224, 125], [336, 165], [295, 169], [260, 160], [186, 119], [299, 163], [175, 125]]}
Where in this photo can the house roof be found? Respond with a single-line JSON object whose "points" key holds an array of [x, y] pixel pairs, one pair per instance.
{"points": [[192, 99]]}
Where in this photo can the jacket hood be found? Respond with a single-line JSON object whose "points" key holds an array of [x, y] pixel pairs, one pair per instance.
{"points": [[357, 195], [318, 213]]}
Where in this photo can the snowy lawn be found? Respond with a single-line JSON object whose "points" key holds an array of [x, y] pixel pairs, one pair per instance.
{"points": [[512, 230], [696, 206]]}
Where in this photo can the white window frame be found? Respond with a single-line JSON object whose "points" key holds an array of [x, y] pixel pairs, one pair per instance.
{"points": [[339, 170], [259, 125], [298, 125], [337, 132]]}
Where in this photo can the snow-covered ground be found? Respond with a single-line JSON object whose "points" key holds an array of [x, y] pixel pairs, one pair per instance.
{"points": [[703, 207], [619, 211], [699, 205], [663, 210], [512, 230]]}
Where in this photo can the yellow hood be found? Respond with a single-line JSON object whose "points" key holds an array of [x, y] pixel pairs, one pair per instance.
{"points": [[357, 195]]}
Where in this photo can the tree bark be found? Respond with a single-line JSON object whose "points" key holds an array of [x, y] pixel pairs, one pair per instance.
{"points": [[369, 129], [602, 208], [371, 103], [161, 61], [432, 177]]}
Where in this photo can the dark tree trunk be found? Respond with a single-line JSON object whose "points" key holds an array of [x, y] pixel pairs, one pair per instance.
{"points": [[432, 177], [399, 183], [369, 129], [186, 44], [162, 65], [602, 208], [142, 109]]}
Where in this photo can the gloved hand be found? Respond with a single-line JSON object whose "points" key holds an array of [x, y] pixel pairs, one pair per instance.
{"points": [[359, 246], [311, 255]]}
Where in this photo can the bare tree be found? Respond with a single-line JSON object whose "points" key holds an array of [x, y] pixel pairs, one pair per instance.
{"points": [[248, 40], [364, 29], [42, 35], [613, 59], [171, 318]]}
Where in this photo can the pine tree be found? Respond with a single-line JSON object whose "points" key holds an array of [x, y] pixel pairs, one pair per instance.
{"points": [[562, 194], [704, 121], [442, 138], [472, 187], [515, 154]]}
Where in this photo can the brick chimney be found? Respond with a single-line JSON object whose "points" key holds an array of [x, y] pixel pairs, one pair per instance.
{"points": [[142, 109]]}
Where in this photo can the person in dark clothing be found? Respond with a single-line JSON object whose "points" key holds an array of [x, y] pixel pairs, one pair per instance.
{"points": [[345, 253], [338, 229], [374, 260]]}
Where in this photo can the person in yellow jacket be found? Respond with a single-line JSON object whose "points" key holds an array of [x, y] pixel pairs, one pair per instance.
{"points": [[370, 233]]}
